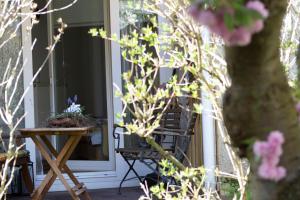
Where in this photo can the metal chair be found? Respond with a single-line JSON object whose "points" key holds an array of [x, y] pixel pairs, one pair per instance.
{"points": [[23, 162], [174, 135]]}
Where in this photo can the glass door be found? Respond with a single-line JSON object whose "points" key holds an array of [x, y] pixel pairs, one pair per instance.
{"points": [[79, 68]]}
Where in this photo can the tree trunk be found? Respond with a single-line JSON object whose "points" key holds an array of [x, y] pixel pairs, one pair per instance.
{"points": [[260, 101]]}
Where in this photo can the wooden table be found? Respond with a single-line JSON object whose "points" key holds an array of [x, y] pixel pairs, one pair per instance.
{"points": [[57, 165]]}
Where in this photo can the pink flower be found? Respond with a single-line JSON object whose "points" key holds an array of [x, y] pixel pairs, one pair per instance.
{"points": [[207, 18], [193, 11], [215, 22], [270, 172], [257, 26], [298, 107], [260, 148], [259, 7], [276, 138], [220, 28], [240, 36], [270, 152], [270, 147], [281, 173], [272, 161]]}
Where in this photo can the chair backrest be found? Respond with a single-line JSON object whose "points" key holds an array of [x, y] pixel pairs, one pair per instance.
{"points": [[179, 115], [171, 117], [183, 141]]}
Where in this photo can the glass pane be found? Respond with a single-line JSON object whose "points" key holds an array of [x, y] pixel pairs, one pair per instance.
{"points": [[132, 16], [79, 66], [42, 83], [80, 70], [128, 18]]}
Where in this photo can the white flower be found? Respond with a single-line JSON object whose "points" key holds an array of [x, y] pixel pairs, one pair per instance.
{"points": [[74, 108]]}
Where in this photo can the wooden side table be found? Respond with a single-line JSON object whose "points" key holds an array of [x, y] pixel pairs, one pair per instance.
{"points": [[39, 137]]}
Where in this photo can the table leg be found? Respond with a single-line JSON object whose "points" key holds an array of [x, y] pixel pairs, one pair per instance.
{"points": [[50, 177], [55, 154], [56, 165], [63, 157], [65, 167]]}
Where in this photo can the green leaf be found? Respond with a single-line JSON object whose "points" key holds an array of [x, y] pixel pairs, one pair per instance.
{"points": [[229, 21], [93, 32]]}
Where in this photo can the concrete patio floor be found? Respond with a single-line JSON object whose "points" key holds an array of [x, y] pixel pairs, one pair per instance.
{"points": [[103, 194]]}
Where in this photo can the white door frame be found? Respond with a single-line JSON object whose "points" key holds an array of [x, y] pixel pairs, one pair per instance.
{"points": [[27, 78]]}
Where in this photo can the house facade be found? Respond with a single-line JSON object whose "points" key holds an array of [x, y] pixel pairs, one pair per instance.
{"points": [[89, 68]]}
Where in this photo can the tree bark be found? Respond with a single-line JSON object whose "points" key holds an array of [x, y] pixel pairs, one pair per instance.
{"points": [[260, 101]]}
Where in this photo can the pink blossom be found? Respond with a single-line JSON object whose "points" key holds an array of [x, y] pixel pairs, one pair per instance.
{"points": [[239, 36], [259, 7], [215, 22], [281, 173], [270, 172], [207, 18], [260, 148], [193, 11], [257, 26], [270, 151], [220, 28], [298, 107], [276, 138]]}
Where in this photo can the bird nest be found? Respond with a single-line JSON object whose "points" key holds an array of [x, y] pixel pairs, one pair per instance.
{"points": [[69, 120]]}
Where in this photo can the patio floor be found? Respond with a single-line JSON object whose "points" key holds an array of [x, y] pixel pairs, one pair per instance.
{"points": [[103, 194]]}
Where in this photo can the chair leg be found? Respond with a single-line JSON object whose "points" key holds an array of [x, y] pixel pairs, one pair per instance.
{"points": [[149, 165], [20, 188], [127, 173], [131, 168], [32, 172]]}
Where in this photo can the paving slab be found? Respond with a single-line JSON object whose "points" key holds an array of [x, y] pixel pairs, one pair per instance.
{"points": [[102, 194]]}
